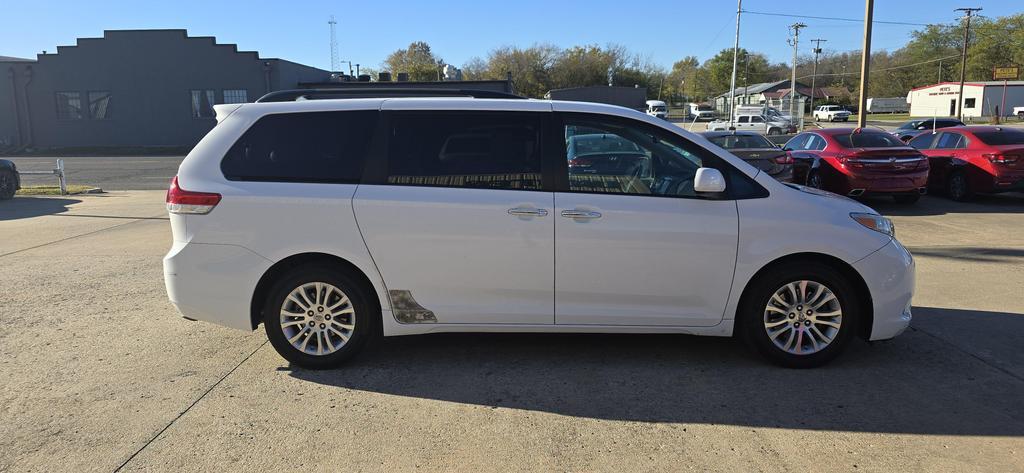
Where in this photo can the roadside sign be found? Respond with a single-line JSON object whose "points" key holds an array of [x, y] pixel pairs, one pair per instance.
{"points": [[1005, 73]]}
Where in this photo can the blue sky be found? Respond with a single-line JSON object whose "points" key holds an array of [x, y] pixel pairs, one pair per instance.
{"points": [[664, 31]]}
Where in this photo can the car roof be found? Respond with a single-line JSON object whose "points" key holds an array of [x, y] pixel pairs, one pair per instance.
{"points": [[846, 131], [727, 133]]}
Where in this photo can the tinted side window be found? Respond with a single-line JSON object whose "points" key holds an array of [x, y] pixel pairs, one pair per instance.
{"points": [[922, 142], [796, 143], [950, 141], [302, 147], [816, 143], [466, 149]]}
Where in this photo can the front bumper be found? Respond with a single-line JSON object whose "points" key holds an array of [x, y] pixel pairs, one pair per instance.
{"points": [[213, 283], [889, 275]]}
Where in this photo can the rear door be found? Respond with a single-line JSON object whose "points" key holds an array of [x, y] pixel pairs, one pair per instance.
{"points": [[455, 216], [638, 246]]}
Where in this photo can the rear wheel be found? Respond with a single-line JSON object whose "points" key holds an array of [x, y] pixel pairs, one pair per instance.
{"points": [[957, 187], [7, 186], [814, 179], [907, 198], [1020, 115], [318, 316], [774, 131], [800, 315]]}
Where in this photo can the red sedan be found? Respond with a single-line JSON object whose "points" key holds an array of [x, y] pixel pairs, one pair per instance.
{"points": [[966, 160], [860, 161]]}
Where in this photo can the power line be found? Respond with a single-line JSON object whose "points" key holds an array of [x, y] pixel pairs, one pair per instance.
{"points": [[887, 68], [834, 18]]}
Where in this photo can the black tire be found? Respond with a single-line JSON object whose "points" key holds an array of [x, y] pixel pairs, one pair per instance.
{"points": [[1020, 115], [814, 179], [7, 184], [958, 188], [906, 198], [751, 317], [365, 320], [774, 131]]}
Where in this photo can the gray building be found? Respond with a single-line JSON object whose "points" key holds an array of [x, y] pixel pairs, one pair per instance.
{"points": [[133, 88], [629, 97]]}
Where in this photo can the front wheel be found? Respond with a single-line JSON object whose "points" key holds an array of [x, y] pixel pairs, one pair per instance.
{"points": [[958, 188], [7, 185], [318, 316], [799, 315]]}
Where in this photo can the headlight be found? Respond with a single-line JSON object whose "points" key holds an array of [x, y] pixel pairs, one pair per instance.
{"points": [[874, 222]]}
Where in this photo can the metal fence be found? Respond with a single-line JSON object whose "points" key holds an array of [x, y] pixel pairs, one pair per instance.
{"points": [[57, 171]]}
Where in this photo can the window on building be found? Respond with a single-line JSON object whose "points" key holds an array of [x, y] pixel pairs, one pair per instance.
{"points": [[466, 149], [968, 103], [69, 105], [302, 147], [236, 96], [99, 104], [202, 103]]}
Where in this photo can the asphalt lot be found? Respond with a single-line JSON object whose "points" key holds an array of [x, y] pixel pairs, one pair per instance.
{"points": [[99, 372]]}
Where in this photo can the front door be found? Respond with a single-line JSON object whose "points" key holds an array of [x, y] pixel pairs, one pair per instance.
{"points": [[635, 245], [457, 224]]}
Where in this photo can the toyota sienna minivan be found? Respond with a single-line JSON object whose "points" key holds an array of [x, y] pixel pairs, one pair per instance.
{"points": [[332, 220]]}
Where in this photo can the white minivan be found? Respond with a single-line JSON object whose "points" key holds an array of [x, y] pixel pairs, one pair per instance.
{"points": [[334, 220]]}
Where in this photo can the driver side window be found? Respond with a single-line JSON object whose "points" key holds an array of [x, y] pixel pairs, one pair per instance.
{"points": [[613, 157]]}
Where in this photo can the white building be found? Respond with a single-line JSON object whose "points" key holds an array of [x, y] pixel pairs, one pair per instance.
{"points": [[981, 99]]}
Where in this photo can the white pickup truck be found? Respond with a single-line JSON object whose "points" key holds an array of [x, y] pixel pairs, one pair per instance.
{"points": [[831, 113], [756, 123]]}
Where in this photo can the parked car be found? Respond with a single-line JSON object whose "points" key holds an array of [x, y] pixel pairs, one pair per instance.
{"points": [[1019, 112], [700, 111], [756, 123], [913, 128], [967, 160], [861, 161], [831, 113], [605, 154], [756, 150], [10, 180], [770, 113], [657, 109], [331, 222]]}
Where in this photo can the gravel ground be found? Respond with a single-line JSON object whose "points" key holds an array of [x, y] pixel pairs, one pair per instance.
{"points": [[100, 373]]}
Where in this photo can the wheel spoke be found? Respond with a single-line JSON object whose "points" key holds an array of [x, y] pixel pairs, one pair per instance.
{"points": [[319, 289], [344, 300], [297, 302], [771, 308], [825, 322], [302, 292], [805, 333], [295, 318], [776, 323], [830, 297], [344, 338], [298, 335]]}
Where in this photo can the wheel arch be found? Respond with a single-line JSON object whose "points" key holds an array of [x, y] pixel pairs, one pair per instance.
{"points": [[301, 259], [864, 331]]}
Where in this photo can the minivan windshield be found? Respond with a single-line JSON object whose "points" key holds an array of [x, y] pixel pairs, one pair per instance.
{"points": [[868, 140]]}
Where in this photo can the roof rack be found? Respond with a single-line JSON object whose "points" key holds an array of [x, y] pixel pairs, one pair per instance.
{"points": [[373, 92]]}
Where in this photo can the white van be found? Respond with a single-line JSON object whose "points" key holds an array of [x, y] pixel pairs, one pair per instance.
{"points": [[700, 111], [333, 221], [657, 109]]}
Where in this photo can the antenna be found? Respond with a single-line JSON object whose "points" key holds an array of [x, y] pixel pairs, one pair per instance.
{"points": [[334, 46]]}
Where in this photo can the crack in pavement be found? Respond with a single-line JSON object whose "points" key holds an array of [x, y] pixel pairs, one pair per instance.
{"points": [[140, 219], [182, 413]]}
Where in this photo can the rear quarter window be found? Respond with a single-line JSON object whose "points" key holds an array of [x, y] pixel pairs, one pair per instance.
{"points": [[868, 140], [302, 147]]}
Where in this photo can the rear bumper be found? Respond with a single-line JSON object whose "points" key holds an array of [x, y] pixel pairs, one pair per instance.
{"points": [[889, 275], [213, 283], [894, 184]]}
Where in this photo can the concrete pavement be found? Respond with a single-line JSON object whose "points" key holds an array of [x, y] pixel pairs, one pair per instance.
{"points": [[101, 373]]}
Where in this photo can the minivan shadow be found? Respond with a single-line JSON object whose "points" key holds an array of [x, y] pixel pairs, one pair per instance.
{"points": [[914, 384], [27, 207], [1009, 203]]}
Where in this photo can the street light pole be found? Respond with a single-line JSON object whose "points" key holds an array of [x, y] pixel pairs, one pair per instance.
{"points": [[865, 64], [963, 64], [735, 56], [814, 72]]}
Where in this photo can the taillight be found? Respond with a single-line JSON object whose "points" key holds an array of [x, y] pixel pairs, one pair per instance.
{"points": [[181, 201], [1000, 158], [579, 162], [784, 159]]}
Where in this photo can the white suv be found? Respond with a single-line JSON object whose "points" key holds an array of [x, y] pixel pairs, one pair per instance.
{"points": [[334, 221], [831, 113]]}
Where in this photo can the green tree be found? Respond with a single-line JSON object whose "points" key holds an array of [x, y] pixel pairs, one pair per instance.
{"points": [[418, 60]]}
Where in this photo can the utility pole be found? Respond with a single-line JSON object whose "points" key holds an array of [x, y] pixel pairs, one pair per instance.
{"points": [[735, 56], [814, 72], [963, 64], [792, 81], [865, 64], [940, 72]]}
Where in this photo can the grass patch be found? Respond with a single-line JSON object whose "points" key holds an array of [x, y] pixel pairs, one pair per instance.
{"points": [[52, 190]]}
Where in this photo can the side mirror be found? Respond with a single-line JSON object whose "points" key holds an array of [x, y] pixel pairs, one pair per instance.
{"points": [[709, 180]]}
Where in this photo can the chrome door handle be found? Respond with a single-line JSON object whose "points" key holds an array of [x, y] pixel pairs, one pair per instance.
{"points": [[525, 212], [581, 214]]}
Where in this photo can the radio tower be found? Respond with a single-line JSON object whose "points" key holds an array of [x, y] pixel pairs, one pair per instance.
{"points": [[334, 46]]}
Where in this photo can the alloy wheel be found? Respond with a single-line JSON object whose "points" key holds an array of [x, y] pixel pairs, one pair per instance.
{"points": [[317, 318], [803, 317], [958, 186]]}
